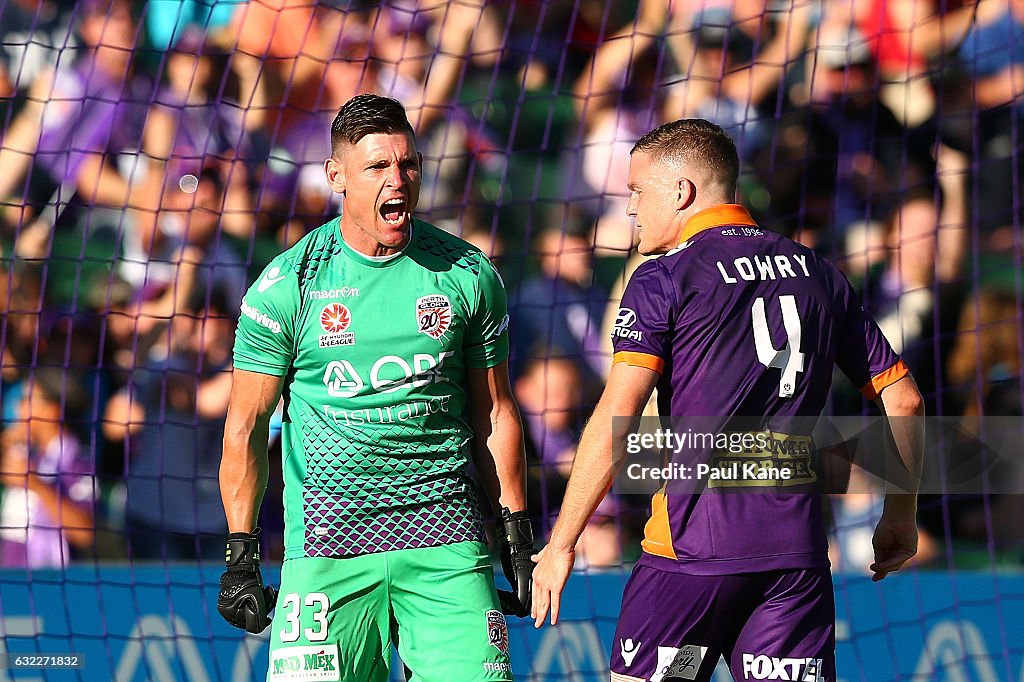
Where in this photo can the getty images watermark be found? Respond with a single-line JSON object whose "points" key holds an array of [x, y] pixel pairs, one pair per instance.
{"points": [[729, 462], [834, 455]]}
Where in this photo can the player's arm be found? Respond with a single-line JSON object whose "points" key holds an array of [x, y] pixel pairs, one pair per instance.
{"points": [[497, 437], [895, 538], [628, 389], [500, 461], [244, 466], [243, 600], [866, 357]]}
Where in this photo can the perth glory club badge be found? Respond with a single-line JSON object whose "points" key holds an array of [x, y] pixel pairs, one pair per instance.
{"points": [[433, 315]]}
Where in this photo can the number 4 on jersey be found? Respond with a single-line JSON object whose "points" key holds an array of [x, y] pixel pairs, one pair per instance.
{"points": [[789, 359]]}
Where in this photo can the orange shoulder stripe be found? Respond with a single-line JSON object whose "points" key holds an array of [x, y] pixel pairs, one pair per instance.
{"points": [[652, 362], [873, 388]]}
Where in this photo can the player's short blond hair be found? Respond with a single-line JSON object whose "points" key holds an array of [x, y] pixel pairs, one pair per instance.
{"points": [[694, 141]]}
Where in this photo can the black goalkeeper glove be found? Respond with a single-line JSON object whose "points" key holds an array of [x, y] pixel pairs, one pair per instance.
{"points": [[243, 600], [515, 542]]}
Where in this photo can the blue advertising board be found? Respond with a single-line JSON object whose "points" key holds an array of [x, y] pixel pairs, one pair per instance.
{"points": [[159, 623]]}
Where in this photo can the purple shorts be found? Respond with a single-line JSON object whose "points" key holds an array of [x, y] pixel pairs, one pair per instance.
{"points": [[774, 625]]}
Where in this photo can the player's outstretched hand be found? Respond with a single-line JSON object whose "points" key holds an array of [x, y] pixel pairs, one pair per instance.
{"points": [[549, 578], [243, 600], [895, 542], [515, 543]]}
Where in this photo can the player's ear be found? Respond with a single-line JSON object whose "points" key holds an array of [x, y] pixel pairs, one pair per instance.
{"points": [[335, 172], [686, 193]]}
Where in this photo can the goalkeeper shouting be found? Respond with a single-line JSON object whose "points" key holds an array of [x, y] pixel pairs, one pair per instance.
{"points": [[388, 339]]}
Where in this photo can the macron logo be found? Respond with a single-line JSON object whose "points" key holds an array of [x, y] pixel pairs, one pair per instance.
{"points": [[628, 650], [272, 277]]}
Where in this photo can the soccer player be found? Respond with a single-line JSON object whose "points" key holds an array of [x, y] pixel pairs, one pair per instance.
{"points": [[388, 338], [731, 321]]}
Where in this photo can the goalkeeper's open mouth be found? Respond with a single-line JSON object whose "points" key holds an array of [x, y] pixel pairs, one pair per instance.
{"points": [[395, 211]]}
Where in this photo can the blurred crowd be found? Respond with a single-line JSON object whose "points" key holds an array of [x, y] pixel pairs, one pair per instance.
{"points": [[156, 155]]}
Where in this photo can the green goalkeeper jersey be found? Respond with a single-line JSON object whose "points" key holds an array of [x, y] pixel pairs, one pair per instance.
{"points": [[374, 353]]}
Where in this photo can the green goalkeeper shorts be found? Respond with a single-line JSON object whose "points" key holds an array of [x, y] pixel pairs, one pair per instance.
{"points": [[337, 619]]}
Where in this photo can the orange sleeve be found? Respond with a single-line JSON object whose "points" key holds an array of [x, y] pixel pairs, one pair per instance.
{"points": [[873, 388], [652, 362]]}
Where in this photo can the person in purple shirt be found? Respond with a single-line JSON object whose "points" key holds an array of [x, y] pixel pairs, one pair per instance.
{"points": [[47, 487], [80, 118], [191, 126], [731, 322]]}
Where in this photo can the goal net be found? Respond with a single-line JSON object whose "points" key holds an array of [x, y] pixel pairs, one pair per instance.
{"points": [[155, 155]]}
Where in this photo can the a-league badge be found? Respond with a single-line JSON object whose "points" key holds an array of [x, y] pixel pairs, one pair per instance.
{"points": [[335, 318], [433, 315], [497, 631]]}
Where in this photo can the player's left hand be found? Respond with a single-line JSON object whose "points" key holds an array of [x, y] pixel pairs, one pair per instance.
{"points": [[549, 578], [895, 542], [515, 541]]}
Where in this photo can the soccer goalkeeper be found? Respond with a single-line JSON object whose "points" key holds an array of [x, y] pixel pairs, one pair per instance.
{"points": [[388, 339]]}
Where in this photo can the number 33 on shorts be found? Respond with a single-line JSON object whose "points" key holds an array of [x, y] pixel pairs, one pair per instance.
{"points": [[304, 618], [292, 604]]}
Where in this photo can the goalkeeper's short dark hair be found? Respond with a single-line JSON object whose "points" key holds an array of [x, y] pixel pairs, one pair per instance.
{"points": [[367, 115], [694, 141]]}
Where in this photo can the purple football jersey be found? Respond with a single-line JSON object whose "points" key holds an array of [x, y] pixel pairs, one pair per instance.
{"points": [[89, 112], [743, 323]]}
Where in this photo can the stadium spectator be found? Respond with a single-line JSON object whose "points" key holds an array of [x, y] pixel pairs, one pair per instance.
{"points": [[900, 297], [20, 307], [857, 164], [32, 35], [63, 148], [993, 54], [191, 125], [47, 475], [553, 400], [984, 367], [558, 312], [984, 378], [188, 219], [170, 418], [617, 98], [401, 42], [603, 542], [479, 229], [551, 397], [733, 62], [461, 37], [168, 20], [287, 36], [904, 37]]}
